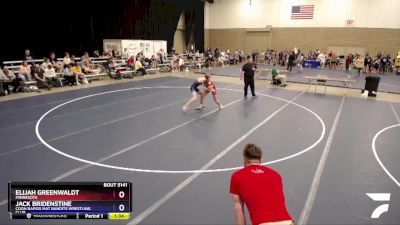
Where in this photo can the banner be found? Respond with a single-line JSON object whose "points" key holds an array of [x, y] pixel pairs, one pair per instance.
{"points": [[133, 47]]}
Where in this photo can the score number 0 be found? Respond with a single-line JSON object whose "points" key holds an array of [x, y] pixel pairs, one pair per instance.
{"points": [[121, 207]]}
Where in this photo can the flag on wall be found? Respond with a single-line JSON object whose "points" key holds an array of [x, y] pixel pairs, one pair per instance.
{"points": [[302, 12]]}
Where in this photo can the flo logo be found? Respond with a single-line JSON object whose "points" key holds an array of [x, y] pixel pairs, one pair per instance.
{"points": [[379, 197]]}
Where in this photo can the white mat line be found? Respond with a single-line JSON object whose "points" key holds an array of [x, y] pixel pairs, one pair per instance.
{"points": [[305, 213]]}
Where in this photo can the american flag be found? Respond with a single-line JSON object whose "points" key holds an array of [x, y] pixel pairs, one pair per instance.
{"points": [[302, 12]]}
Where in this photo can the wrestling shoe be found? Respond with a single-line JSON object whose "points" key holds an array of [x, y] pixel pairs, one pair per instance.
{"points": [[200, 107]]}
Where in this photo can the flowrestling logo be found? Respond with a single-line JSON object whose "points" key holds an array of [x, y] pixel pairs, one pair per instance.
{"points": [[379, 197]]}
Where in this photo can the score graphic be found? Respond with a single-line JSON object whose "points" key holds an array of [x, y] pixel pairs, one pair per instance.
{"points": [[70, 200]]}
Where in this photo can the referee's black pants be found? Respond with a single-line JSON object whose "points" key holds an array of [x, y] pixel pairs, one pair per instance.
{"points": [[249, 82], [289, 66]]}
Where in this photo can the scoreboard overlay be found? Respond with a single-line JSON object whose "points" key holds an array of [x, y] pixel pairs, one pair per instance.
{"points": [[70, 200]]}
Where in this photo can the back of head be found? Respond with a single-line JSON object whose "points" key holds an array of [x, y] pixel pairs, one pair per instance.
{"points": [[252, 152]]}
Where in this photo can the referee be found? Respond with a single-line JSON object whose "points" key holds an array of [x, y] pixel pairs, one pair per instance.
{"points": [[248, 74]]}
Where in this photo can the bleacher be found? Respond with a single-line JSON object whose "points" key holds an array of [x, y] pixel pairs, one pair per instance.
{"points": [[122, 70]]}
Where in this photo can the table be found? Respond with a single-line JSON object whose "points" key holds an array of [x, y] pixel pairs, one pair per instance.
{"points": [[323, 79], [311, 63]]}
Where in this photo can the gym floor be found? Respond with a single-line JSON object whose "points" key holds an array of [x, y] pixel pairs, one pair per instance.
{"points": [[331, 150], [388, 83]]}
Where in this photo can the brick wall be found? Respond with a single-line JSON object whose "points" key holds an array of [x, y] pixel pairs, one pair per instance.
{"points": [[372, 39]]}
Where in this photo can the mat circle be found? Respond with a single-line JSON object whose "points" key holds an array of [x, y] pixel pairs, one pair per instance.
{"points": [[37, 130]]}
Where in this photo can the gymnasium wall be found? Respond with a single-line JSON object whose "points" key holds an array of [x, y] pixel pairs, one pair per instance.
{"points": [[237, 24]]}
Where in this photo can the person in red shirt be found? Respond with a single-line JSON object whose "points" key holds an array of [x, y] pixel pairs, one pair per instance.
{"points": [[261, 189], [131, 61]]}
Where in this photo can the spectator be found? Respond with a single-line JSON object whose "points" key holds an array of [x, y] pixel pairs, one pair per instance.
{"points": [[139, 67], [77, 72], [359, 64], [333, 62], [181, 63], [105, 54], [349, 60], [73, 60], [397, 63], [53, 59], [46, 63], [379, 55], [40, 77], [254, 56], [9, 78], [310, 55], [240, 54], [115, 53], [383, 64], [389, 64], [66, 59], [25, 71], [112, 63], [197, 55], [161, 54], [131, 61], [51, 76], [300, 62], [27, 55], [85, 56], [322, 59], [82, 62], [96, 53], [153, 61], [139, 55], [367, 63], [68, 74], [232, 59], [376, 63], [260, 188], [175, 63], [88, 68], [209, 61], [277, 76], [217, 52]]}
